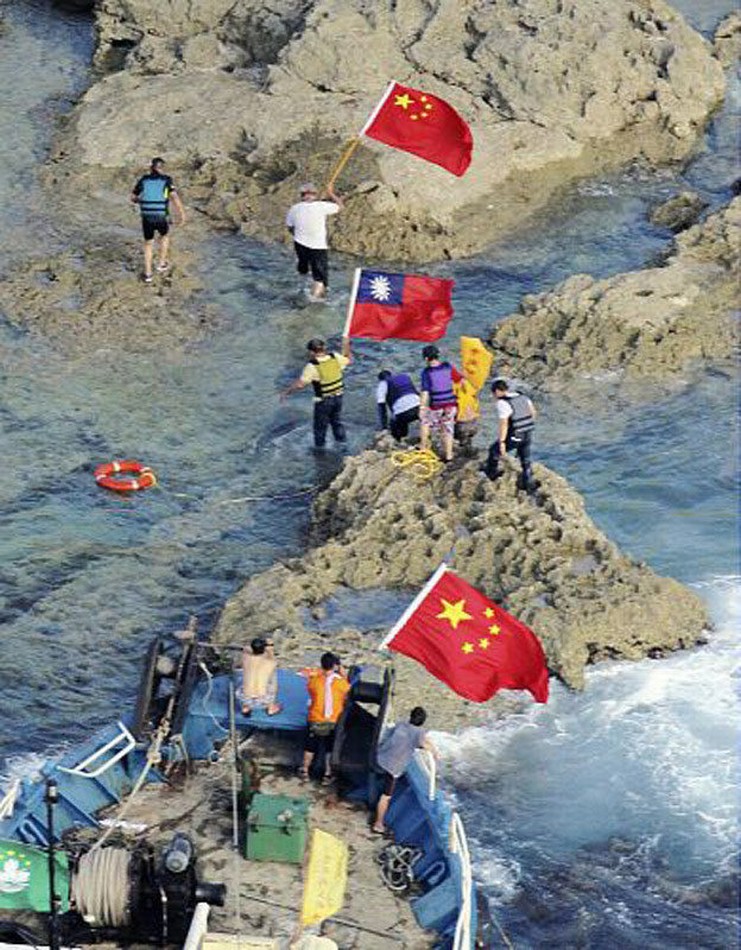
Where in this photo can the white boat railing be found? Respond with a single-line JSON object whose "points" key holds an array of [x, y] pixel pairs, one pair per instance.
{"points": [[459, 846], [81, 768], [428, 764]]}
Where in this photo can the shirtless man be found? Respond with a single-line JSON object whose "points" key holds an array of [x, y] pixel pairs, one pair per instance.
{"points": [[260, 678]]}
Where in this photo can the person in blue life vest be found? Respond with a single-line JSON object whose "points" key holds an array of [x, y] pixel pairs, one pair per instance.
{"points": [[393, 755], [516, 422], [438, 403], [324, 372], [153, 194], [397, 398]]}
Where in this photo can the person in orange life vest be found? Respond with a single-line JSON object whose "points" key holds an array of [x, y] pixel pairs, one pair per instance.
{"points": [[328, 690], [324, 373]]}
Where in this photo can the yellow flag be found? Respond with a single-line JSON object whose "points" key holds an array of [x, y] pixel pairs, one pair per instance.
{"points": [[476, 361], [326, 878]]}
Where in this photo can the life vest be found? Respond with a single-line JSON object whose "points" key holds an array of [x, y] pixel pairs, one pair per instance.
{"points": [[154, 196], [398, 386], [521, 420], [468, 403], [441, 385], [330, 377], [317, 686]]}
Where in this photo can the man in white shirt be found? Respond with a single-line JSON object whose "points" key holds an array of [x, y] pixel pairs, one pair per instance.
{"points": [[515, 424], [307, 222]]}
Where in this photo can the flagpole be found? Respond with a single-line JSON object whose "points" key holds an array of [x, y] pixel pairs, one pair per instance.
{"points": [[351, 304], [344, 159], [413, 606]]}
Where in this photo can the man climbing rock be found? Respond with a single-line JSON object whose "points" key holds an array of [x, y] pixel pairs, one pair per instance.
{"points": [[516, 422]]}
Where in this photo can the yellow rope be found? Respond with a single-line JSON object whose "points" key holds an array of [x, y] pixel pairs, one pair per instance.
{"points": [[421, 464]]}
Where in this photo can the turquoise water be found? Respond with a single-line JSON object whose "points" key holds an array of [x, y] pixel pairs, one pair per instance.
{"points": [[603, 820]]}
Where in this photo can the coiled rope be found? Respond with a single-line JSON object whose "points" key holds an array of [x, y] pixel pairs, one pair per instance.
{"points": [[100, 887], [396, 863], [421, 464]]}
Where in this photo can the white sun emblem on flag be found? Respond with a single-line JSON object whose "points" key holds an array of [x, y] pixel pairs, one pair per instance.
{"points": [[380, 288]]}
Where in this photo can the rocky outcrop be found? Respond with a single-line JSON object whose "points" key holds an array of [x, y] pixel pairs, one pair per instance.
{"points": [[253, 96], [679, 212], [655, 325], [375, 527], [727, 39]]}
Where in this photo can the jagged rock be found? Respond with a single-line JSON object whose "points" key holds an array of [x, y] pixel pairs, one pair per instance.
{"points": [[727, 39], [256, 95], [376, 527], [679, 212], [654, 325]]}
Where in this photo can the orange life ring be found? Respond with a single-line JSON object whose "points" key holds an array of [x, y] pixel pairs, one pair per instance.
{"points": [[106, 475]]}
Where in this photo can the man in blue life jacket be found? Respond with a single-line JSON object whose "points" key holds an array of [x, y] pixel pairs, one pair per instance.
{"points": [[438, 403], [397, 397], [324, 372], [516, 422], [153, 193]]}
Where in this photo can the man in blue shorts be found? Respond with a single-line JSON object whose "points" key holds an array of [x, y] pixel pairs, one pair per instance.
{"points": [[153, 193]]}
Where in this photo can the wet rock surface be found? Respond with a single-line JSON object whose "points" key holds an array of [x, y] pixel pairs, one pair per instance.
{"points": [[679, 212], [657, 325], [550, 97], [376, 527]]}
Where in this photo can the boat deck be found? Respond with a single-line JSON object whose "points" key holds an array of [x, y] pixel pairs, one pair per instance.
{"points": [[264, 898]]}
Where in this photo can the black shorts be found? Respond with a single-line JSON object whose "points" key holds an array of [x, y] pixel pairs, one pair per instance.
{"points": [[150, 225], [314, 258], [389, 783], [320, 735]]}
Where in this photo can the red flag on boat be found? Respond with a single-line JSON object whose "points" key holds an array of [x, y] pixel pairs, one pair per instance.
{"points": [[422, 124], [469, 642], [402, 306]]}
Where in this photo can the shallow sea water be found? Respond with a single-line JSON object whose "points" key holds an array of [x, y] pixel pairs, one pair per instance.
{"points": [[604, 819]]}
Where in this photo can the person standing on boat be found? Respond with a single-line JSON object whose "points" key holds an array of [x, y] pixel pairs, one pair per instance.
{"points": [[516, 422], [324, 372], [153, 193], [328, 691], [397, 397], [393, 755], [260, 678], [307, 223]]}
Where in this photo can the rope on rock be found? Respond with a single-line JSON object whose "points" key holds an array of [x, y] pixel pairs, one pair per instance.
{"points": [[421, 464]]}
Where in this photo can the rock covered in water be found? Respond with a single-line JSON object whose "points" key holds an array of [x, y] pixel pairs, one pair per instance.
{"points": [[376, 527], [678, 212], [653, 325], [255, 96]]}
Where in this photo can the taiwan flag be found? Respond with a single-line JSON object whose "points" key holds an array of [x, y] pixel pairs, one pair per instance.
{"points": [[422, 124], [469, 642], [401, 306]]}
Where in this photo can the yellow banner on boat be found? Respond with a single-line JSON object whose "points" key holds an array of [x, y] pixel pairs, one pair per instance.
{"points": [[476, 361], [326, 878]]}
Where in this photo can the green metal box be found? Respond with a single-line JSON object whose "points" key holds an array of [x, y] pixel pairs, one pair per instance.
{"points": [[277, 827]]}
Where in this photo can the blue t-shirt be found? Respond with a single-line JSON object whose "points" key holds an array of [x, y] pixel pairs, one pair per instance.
{"points": [[397, 747]]}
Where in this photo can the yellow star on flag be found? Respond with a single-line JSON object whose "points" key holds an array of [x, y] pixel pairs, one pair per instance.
{"points": [[404, 101], [488, 613], [454, 613], [467, 647], [494, 630], [484, 643]]}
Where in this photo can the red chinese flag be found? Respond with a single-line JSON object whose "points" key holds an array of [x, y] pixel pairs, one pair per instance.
{"points": [[469, 642], [422, 124], [402, 306]]}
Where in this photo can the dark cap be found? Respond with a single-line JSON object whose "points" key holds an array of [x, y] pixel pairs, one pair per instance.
{"points": [[431, 353], [315, 345]]}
